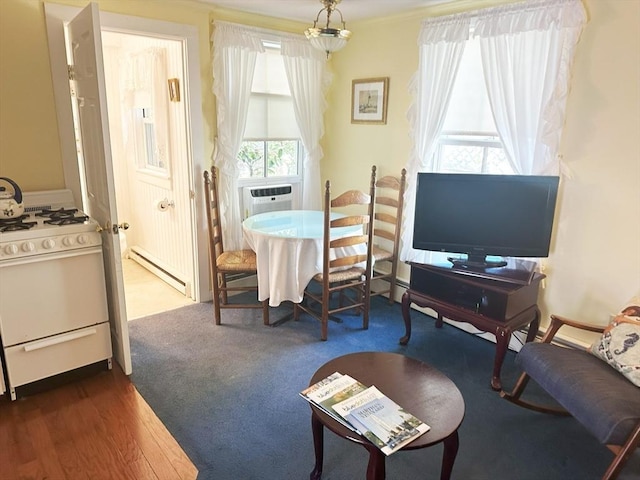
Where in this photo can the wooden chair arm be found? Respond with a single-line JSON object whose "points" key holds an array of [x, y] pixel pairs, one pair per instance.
{"points": [[557, 321]]}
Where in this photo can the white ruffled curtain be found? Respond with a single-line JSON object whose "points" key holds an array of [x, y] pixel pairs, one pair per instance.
{"points": [[441, 44], [235, 50], [526, 56], [308, 82], [139, 70], [527, 50]]}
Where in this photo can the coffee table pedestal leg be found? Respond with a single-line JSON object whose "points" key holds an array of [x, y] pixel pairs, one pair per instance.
{"points": [[449, 455], [317, 430], [376, 465]]}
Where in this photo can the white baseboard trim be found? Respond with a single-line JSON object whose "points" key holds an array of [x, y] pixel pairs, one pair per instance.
{"points": [[141, 258]]}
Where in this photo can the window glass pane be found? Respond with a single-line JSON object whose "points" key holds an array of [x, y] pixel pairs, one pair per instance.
{"points": [[282, 158], [469, 154], [150, 145], [497, 162], [460, 159], [147, 151], [251, 159]]}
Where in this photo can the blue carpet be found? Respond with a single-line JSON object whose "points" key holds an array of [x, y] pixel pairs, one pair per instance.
{"points": [[229, 395]]}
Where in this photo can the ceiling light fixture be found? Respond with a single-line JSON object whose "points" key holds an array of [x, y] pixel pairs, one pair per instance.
{"points": [[327, 38]]}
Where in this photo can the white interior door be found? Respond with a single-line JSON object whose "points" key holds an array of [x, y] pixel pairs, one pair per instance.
{"points": [[86, 51]]}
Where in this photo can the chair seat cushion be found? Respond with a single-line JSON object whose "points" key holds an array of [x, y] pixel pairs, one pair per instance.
{"points": [[380, 254], [598, 396], [237, 261], [353, 273]]}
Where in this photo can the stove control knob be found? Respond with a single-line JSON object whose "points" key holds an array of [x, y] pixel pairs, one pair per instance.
{"points": [[11, 249], [83, 239], [49, 243], [68, 241], [28, 247]]}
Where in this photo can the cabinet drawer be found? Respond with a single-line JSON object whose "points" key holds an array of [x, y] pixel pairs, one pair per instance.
{"points": [[50, 356]]}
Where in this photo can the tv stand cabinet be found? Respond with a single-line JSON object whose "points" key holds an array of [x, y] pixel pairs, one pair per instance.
{"points": [[491, 305]]}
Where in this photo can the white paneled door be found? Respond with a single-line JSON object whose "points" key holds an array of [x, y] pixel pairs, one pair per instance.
{"points": [[86, 50]]}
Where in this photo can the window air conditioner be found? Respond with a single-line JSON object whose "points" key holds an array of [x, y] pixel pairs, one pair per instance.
{"points": [[267, 198]]}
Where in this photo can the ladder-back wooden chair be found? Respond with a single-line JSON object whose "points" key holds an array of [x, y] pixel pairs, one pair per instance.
{"points": [[224, 263], [386, 232], [346, 258]]}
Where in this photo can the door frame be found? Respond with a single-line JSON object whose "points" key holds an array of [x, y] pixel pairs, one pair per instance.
{"points": [[56, 18]]}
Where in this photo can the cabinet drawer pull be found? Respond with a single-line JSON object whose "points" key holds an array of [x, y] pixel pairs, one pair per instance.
{"points": [[59, 339]]}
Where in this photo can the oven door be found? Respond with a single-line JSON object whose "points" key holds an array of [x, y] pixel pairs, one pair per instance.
{"points": [[44, 295]]}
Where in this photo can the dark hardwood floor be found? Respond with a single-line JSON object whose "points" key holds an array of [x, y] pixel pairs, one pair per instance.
{"points": [[97, 428]]}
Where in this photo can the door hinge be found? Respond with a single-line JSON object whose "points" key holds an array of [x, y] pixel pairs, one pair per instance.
{"points": [[71, 72]]}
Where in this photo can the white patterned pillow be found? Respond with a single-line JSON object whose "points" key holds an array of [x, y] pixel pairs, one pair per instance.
{"points": [[619, 345]]}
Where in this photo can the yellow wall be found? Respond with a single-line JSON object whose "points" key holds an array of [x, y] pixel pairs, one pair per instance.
{"points": [[594, 265]]}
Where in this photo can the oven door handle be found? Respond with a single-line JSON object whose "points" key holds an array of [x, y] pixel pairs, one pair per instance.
{"points": [[59, 339]]}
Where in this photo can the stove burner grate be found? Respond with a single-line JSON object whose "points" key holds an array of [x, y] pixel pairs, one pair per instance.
{"points": [[14, 224], [59, 213], [66, 220], [62, 216]]}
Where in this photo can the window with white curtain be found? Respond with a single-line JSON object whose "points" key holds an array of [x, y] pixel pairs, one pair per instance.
{"points": [[526, 52], [271, 146], [469, 141]]}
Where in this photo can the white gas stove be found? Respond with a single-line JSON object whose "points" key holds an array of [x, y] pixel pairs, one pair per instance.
{"points": [[50, 224], [53, 303]]}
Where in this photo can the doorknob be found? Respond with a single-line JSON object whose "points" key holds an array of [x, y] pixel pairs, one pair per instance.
{"points": [[123, 226], [165, 203], [115, 228]]}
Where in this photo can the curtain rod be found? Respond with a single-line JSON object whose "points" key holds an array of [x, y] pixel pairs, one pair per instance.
{"points": [[522, 6], [264, 31]]}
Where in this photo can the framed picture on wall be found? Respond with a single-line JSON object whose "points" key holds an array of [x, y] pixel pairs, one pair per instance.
{"points": [[369, 100]]}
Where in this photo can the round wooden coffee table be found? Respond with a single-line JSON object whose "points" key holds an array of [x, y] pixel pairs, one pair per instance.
{"points": [[420, 389]]}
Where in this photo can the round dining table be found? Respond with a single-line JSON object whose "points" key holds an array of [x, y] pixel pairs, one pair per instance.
{"points": [[288, 246]]}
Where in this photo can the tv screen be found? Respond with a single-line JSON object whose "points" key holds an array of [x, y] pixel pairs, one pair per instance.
{"points": [[484, 215]]}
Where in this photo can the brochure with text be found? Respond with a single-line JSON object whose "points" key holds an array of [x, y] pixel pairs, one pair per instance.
{"points": [[382, 421], [331, 390], [366, 411]]}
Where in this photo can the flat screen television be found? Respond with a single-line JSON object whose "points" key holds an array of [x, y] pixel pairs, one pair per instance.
{"points": [[483, 216]]}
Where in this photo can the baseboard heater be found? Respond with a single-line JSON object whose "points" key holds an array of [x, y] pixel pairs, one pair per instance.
{"points": [[143, 259]]}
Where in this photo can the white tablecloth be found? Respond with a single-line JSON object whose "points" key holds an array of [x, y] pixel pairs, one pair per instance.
{"points": [[288, 246]]}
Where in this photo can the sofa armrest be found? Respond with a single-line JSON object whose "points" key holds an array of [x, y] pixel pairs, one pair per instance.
{"points": [[557, 321]]}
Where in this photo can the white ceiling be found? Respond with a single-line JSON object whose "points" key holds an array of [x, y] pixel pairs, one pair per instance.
{"points": [[307, 10]]}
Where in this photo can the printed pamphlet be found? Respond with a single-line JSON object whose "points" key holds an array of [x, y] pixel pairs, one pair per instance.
{"points": [[366, 411], [331, 390]]}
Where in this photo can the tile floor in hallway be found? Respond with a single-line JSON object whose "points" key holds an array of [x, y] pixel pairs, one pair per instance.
{"points": [[146, 294]]}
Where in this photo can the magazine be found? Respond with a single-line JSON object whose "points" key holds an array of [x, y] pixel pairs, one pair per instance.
{"points": [[331, 390], [382, 421], [366, 411]]}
